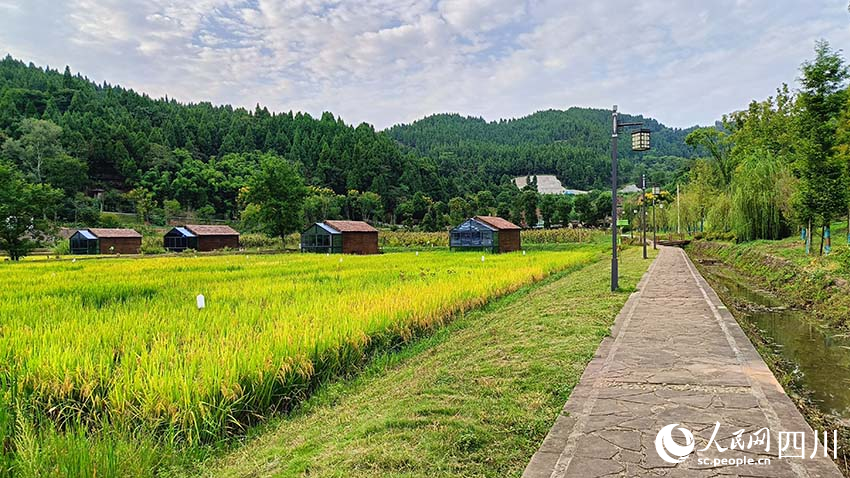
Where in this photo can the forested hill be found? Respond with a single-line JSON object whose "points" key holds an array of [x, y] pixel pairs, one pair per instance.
{"points": [[199, 154], [572, 144], [64, 130]]}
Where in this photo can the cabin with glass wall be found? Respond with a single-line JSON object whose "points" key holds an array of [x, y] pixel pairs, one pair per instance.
{"points": [[345, 237], [105, 241], [486, 233]]}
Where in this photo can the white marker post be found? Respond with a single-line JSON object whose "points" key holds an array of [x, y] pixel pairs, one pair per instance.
{"points": [[202, 302], [482, 258]]}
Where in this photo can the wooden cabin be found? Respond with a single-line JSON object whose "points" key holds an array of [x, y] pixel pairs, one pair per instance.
{"points": [[105, 241], [346, 237], [202, 238], [486, 233]]}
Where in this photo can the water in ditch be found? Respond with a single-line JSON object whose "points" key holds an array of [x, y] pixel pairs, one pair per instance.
{"points": [[822, 359]]}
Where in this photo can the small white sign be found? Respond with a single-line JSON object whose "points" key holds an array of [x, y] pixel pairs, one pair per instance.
{"points": [[202, 302]]}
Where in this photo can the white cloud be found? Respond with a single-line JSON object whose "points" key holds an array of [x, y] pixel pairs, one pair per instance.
{"points": [[386, 61]]}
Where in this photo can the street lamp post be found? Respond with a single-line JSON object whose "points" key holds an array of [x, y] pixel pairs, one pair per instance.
{"points": [[643, 213], [632, 229], [640, 142], [656, 191]]}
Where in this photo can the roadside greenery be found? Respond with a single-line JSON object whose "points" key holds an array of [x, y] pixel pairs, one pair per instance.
{"points": [[780, 165]]}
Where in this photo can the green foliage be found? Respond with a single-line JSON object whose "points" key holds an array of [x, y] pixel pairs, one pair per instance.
{"points": [[529, 200], [24, 208], [278, 189], [152, 245], [822, 192], [757, 198], [260, 241], [717, 143], [548, 207]]}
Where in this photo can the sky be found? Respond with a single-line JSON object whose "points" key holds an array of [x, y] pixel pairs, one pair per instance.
{"points": [[384, 62]]}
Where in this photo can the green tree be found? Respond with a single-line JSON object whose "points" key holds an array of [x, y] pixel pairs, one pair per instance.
{"points": [[370, 206], [278, 189], [321, 204], [564, 208], [822, 193], [23, 207], [144, 202], [602, 206], [718, 145], [458, 210], [583, 205], [172, 208], [548, 207], [39, 143], [530, 200], [757, 197]]}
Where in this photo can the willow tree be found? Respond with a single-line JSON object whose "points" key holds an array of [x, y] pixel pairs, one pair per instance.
{"points": [[758, 197]]}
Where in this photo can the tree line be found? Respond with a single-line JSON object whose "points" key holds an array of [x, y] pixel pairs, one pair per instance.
{"points": [[83, 148], [779, 165]]}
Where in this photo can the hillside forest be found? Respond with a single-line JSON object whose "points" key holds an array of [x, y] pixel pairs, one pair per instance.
{"points": [[91, 148]]}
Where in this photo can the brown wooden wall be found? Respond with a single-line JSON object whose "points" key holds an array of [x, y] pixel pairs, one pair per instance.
{"points": [[359, 242], [509, 240], [212, 243], [122, 245]]}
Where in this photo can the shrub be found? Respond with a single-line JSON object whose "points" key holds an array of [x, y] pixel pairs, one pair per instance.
{"points": [[152, 245], [260, 241]]}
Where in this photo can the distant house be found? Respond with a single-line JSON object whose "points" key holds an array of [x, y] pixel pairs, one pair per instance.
{"points": [[629, 189], [201, 238], [574, 192], [486, 233], [105, 241], [346, 237]]}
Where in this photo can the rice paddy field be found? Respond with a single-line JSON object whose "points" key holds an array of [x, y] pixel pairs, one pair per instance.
{"points": [[95, 351]]}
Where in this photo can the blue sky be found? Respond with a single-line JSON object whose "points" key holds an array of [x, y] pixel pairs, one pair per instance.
{"points": [[384, 62]]}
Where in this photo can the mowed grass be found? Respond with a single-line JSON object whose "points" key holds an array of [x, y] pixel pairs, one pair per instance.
{"points": [[106, 348], [475, 399]]}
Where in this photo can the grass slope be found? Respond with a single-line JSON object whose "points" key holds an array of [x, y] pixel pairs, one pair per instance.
{"points": [[474, 399]]}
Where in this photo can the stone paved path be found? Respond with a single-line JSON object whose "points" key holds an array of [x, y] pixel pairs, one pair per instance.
{"points": [[675, 356]]}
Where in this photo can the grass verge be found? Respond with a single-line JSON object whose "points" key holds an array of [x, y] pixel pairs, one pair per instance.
{"points": [[475, 398]]}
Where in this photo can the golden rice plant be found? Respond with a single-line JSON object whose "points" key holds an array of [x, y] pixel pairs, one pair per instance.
{"points": [[122, 341]]}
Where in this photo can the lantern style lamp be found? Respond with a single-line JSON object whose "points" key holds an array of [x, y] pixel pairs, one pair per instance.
{"points": [[640, 140]]}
